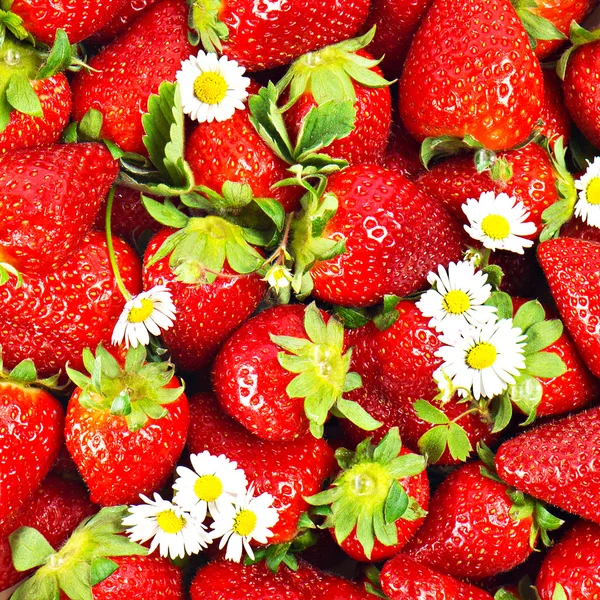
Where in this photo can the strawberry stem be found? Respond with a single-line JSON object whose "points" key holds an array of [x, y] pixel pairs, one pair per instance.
{"points": [[110, 247]]}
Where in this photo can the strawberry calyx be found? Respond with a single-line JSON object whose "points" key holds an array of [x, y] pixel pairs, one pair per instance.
{"points": [[328, 74], [537, 27], [25, 374], [79, 565], [579, 36], [137, 391], [523, 505], [367, 494], [205, 26], [322, 372], [6, 271]]}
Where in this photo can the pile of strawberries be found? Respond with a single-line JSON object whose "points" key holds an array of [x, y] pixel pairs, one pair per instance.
{"points": [[335, 264]]}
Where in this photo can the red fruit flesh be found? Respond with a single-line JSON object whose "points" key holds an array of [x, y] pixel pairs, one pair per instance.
{"points": [[554, 114]]}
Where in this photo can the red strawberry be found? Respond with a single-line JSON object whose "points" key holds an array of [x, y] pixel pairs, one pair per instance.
{"points": [[207, 313], [558, 462], [396, 24], [289, 471], [127, 72], [394, 236], [571, 268], [474, 529], [53, 317], [402, 154], [471, 71], [49, 199], [261, 38], [31, 424], [55, 509], [554, 114], [79, 19], [316, 584], [403, 578], [125, 427], [574, 564]]}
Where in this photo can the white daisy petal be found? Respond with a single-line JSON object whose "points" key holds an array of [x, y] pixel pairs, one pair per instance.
{"points": [[587, 207]]}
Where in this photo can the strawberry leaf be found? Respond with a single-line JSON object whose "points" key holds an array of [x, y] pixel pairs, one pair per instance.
{"points": [[101, 569], [459, 445], [352, 318], [503, 303], [60, 57], [559, 593], [501, 409], [526, 394], [545, 364], [29, 548], [389, 447], [433, 443], [529, 314], [542, 334], [20, 95], [429, 413], [446, 145], [537, 27], [205, 26]]}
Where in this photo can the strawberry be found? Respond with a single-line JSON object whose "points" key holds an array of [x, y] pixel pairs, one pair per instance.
{"points": [[255, 379], [50, 197], [122, 418], [289, 471], [393, 236], [402, 153], [571, 268], [55, 509], [378, 500], [124, 74], [558, 463], [259, 40], [397, 23], [79, 20], [554, 114], [31, 424], [573, 564], [23, 125], [208, 313], [482, 80], [477, 527], [404, 578], [51, 318]]}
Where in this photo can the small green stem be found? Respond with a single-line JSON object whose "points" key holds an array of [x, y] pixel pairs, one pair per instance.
{"points": [[467, 412], [485, 257], [109, 245]]}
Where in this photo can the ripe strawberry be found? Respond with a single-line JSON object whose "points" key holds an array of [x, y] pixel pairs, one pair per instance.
{"points": [[55, 509], [316, 584], [49, 199], [260, 38], [126, 426], [289, 471], [571, 268], [31, 434], [128, 71], [79, 20], [20, 130], [53, 317], [482, 80], [396, 24], [475, 528], [574, 564], [402, 153], [558, 463], [554, 113], [394, 235], [404, 578], [256, 381]]}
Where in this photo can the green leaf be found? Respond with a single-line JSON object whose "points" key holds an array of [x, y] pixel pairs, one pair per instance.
{"points": [[59, 58], [495, 275], [324, 498], [24, 372], [486, 456], [459, 445], [76, 582], [29, 548], [538, 27], [356, 414], [90, 125], [503, 594], [503, 303], [429, 413], [389, 447], [40, 588], [345, 520], [559, 593], [433, 443], [528, 314], [274, 210], [407, 465], [352, 318], [396, 502], [20, 95], [445, 145], [364, 532], [545, 364], [527, 394], [102, 568], [501, 412], [121, 405], [541, 335]]}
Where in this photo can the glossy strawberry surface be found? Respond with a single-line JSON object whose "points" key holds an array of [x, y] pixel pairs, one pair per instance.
{"points": [[49, 198], [289, 471], [471, 70], [554, 113]]}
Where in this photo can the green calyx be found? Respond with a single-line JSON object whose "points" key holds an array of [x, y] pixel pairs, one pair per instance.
{"points": [[537, 28], [12, 25], [205, 26], [7, 271], [559, 213], [25, 374], [79, 565], [523, 505], [135, 392], [367, 494], [323, 372], [579, 37], [329, 74]]}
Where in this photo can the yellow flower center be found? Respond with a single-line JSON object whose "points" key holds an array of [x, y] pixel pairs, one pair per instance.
{"points": [[210, 87], [208, 488], [592, 193], [481, 356], [495, 227], [244, 523], [141, 313], [169, 522], [456, 302]]}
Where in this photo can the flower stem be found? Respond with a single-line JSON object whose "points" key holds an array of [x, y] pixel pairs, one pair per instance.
{"points": [[110, 247]]}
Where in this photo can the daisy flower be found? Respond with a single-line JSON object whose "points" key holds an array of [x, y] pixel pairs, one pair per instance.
{"points": [[456, 299], [214, 484], [445, 386], [498, 222], [172, 530], [588, 203], [279, 277], [212, 88], [484, 360], [246, 520], [150, 311]]}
